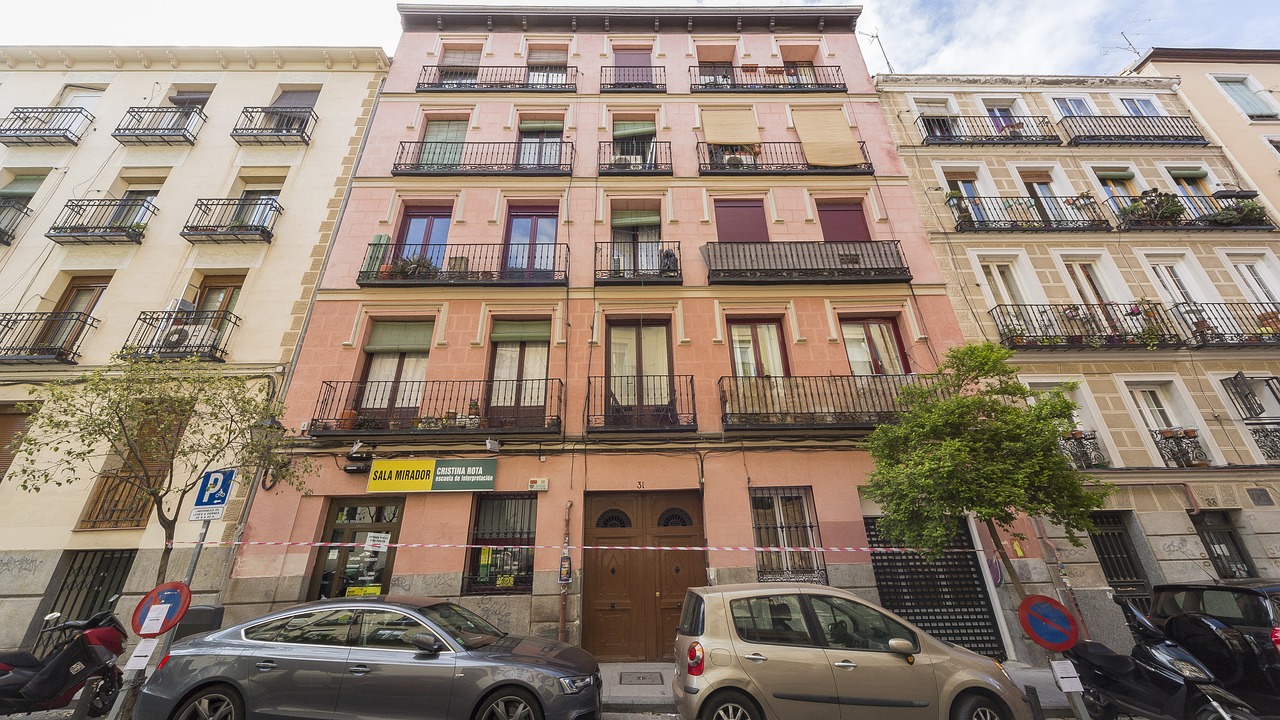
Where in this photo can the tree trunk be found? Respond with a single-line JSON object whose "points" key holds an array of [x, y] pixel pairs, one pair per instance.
{"points": [[162, 569], [1006, 562]]}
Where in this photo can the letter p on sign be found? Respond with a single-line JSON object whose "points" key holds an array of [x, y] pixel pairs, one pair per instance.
{"points": [[212, 495]]}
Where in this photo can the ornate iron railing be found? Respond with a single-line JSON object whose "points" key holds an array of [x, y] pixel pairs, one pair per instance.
{"points": [[1028, 214], [1180, 447], [771, 158], [42, 337], [491, 264], [623, 78], [275, 126], [767, 78], [438, 407], [12, 213], [1131, 129], [634, 157], [1267, 438], [181, 333], [96, 222], [1081, 327], [232, 220], [541, 78], [987, 130], [816, 402], [1154, 210], [641, 403], [800, 262], [484, 158], [1239, 324], [159, 126], [44, 126], [638, 263], [1083, 449]]}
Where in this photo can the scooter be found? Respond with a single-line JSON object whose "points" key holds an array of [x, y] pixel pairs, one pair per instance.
{"points": [[1159, 679], [88, 649]]}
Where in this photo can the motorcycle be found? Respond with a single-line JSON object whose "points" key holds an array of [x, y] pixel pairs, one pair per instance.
{"points": [[1159, 679], [87, 650]]}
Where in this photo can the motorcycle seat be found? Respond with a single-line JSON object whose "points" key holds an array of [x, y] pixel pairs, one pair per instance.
{"points": [[1101, 656], [19, 659]]}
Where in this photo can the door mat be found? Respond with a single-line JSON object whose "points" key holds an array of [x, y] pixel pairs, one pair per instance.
{"points": [[640, 678]]}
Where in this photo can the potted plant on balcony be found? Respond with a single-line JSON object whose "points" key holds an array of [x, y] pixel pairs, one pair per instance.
{"points": [[1152, 335], [1153, 207], [1246, 213]]}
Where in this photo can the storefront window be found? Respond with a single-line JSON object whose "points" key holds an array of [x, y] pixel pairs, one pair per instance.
{"points": [[504, 526], [364, 567]]}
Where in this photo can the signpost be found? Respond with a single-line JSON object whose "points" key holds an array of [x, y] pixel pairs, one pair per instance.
{"points": [[212, 495], [159, 612], [1051, 626]]}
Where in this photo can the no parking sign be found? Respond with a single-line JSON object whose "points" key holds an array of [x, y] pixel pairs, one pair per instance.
{"points": [[1048, 623]]}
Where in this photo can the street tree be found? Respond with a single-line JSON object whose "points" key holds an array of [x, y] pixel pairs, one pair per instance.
{"points": [[974, 440]]}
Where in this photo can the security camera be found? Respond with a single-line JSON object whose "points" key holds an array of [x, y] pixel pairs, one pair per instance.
{"points": [[492, 445], [360, 452]]}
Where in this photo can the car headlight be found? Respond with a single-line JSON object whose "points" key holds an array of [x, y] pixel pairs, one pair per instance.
{"points": [[575, 685], [1006, 673]]}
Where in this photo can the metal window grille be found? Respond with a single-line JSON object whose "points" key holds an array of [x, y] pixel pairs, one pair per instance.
{"points": [[1120, 564], [1221, 540], [504, 525], [117, 502], [785, 517], [92, 577]]}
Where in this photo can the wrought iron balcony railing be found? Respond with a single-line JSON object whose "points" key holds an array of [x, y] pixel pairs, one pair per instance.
{"points": [[620, 78], [805, 262], [232, 220], [1083, 450], [275, 126], [640, 404], [160, 126], [1130, 130], [12, 213], [484, 158], [987, 130], [491, 264], [767, 78], [638, 263], [1028, 214], [44, 126], [42, 337], [438, 407], [1267, 437], [1155, 210], [1082, 327], [836, 402], [771, 158], [1239, 324], [502, 78], [182, 333], [101, 222], [1180, 447], [634, 157]]}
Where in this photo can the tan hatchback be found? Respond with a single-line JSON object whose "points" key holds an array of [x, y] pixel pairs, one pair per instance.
{"points": [[776, 651]]}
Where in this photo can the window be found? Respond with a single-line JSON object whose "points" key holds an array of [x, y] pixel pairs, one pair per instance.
{"points": [[636, 250], [1190, 183], [121, 497], [13, 425], [395, 370], [215, 301], [1085, 281], [775, 620], [388, 630], [741, 221], [1039, 188], [531, 243], [843, 222], [1002, 282], [715, 73], [1221, 540], [854, 626], [1171, 276], [1002, 114], [640, 381], [318, 627], [15, 197], [936, 117], [518, 397], [540, 142], [133, 209], [785, 517], [442, 142], [348, 567], [633, 143], [1250, 101], [632, 68], [873, 347], [1073, 106], [188, 104], [291, 110], [459, 67], [1152, 408], [1177, 445], [800, 72], [548, 66], [1256, 278], [1116, 183], [422, 239], [1257, 398], [757, 349], [256, 209], [504, 524], [61, 333], [965, 182], [1142, 107]]}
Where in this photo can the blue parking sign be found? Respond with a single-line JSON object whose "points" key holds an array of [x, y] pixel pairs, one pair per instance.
{"points": [[215, 488]]}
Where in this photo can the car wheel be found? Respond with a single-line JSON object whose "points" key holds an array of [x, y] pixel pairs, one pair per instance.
{"points": [[730, 705], [1209, 712], [510, 703], [216, 702], [976, 707]]}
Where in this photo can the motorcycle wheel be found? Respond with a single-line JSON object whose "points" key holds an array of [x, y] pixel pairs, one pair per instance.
{"points": [[1209, 712], [1097, 707], [104, 696]]}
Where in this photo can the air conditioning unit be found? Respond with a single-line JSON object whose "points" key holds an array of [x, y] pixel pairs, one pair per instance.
{"points": [[628, 161], [180, 305], [739, 160], [189, 337]]}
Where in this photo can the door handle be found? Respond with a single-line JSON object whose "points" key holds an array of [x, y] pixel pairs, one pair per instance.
{"points": [[358, 670], [846, 665], [755, 657], [265, 665]]}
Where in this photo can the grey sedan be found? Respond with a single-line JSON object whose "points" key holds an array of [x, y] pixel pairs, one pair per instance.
{"points": [[389, 658]]}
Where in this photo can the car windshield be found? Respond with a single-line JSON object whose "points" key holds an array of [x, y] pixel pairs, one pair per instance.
{"points": [[465, 627]]}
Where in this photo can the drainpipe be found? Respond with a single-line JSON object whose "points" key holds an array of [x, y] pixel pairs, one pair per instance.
{"points": [[564, 587]]}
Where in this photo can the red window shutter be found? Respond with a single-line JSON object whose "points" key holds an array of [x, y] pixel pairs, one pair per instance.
{"points": [[12, 425], [632, 58], [844, 223], [741, 221]]}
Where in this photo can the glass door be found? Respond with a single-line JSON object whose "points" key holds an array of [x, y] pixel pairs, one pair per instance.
{"points": [[531, 245], [519, 389], [640, 382], [358, 562]]}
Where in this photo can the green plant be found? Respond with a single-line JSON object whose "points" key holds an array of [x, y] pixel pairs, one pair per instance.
{"points": [[1246, 212], [417, 266], [138, 227], [1152, 335], [1153, 207]]}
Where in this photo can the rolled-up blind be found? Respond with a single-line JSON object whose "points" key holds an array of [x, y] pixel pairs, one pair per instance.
{"points": [[730, 127], [1189, 174], [400, 337], [632, 218], [541, 125], [23, 186], [461, 58], [558, 56], [633, 128], [520, 331], [1114, 174], [1035, 176], [296, 98], [826, 138]]}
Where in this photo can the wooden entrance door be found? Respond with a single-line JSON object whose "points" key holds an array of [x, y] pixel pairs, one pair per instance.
{"points": [[632, 599]]}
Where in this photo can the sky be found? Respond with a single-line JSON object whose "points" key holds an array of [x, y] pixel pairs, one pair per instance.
{"points": [[921, 36]]}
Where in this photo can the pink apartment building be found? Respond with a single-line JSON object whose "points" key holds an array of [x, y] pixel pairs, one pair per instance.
{"points": [[629, 279]]}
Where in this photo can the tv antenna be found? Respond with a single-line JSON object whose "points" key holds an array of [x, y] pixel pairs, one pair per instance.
{"points": [[1125, 43], [875, 37]]}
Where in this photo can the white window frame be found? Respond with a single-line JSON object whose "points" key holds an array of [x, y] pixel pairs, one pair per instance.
{"points": [[1198, 283], [950, 100], [986, 184], [1118, 98], [1025, 274], [1263, 256], [1273, 143], [1109, 274], [1216, 378], [1254, 86], [1178, 404], [1050, 100], [1211, 180], [1059, 184], [1088, 414]]}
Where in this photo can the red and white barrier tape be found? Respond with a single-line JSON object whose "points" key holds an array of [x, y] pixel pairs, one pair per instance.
{"points": [[744, 548]]}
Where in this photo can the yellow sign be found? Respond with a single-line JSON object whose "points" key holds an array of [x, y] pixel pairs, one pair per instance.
{"points": [[364, 590], [432, 475]]}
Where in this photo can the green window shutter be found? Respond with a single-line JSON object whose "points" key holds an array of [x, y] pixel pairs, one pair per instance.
{"points": [[1114, 175], [1245, 99], [397, 337], [445, 131], [377, 251], [633, 218], [23, 186], [541, 125], [520, 331], [634, 128], [1188, 174]]}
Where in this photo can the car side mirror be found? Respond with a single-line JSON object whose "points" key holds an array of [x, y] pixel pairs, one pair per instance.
{"points": [[901, 646], [427, 643]]}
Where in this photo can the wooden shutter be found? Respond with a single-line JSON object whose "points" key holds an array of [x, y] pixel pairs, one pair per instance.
{"points": [[741, 221], [846, 222], [1241, 393], [730, 127], [13, 425], [826, 138]]}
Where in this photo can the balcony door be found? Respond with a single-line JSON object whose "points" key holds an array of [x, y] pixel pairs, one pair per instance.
{"points": [[637, 244], [1257, 281], [395, 371], [85, 99], [633, 143], [459, 67], [1140, 107], [420, 247], [1002, 282], [518, 395], [1039, 187], [969, 204], [759, 367], [442, 143], [254, 211], [633, 68], [640, 381], [936, 117], [1073, 106], [540, 148], [217, 300], [873, 347], [531, 243], [62, 331], [801, 72], [1171, 276], [133, 209]]}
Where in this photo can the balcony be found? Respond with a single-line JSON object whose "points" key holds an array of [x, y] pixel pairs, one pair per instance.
{"points": [[275, 126], [638, 263], [12, 213], [438, 407], [232, 220], [160, 126], [770, 158], [483, 158], [1180, 447], [42, 337], [1028, 214], [634, 158], [1083, 450], [491, 264], [508, 78], [1084, 327], [1131, 130], [767, 78], [1234, 325], [618, 78], [101, 222], [1267, 437], [648, 403], [811, 403], [169, 334], [987, 130], [1156, 210], [42, 126], [805, 262]]}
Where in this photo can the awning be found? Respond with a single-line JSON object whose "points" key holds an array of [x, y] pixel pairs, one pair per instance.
{"points": [[634, 128], [1188, 174], [633, 218], [520, 331], [1114, 174], [23, 186], [388, 337], [541, 126], [826, 138], [730, 127]]}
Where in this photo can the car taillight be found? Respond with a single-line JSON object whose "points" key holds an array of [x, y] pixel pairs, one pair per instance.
{"points": [[163, 660], [695, 659], [1275, 638]]}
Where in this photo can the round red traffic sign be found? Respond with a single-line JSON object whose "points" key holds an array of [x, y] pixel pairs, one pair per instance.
{"points": [[1048, 624], [174, 596]]}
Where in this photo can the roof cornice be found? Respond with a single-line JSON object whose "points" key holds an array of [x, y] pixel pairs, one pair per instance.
{"points": [[776, 20], [1084, 82], [1207, 55], [159, 57]]}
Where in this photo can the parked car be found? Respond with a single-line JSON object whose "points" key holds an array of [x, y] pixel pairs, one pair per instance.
{"points": [[391, 658], [780, 651], [1233, 627]]}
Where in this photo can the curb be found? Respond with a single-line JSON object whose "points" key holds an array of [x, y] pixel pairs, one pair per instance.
{"points": [[663, 708]]}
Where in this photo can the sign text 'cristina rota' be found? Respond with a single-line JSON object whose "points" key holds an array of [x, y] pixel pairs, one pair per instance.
{"points": [[432, 475]]}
